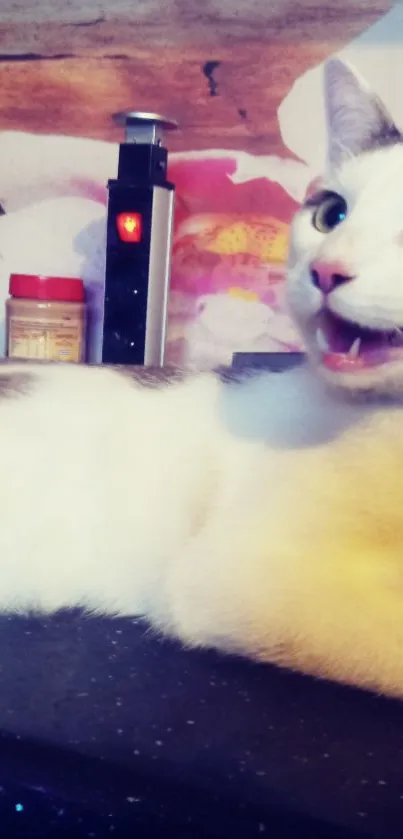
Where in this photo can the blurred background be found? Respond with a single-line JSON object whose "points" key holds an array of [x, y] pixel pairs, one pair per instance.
{"points": [[242, 78]]}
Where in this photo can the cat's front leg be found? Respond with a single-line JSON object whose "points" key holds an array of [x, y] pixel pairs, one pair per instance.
{"points": [[324, 612], [217, 596]]}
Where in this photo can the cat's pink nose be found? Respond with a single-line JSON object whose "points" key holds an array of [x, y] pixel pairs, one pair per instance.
{"points": [[327, 275]]}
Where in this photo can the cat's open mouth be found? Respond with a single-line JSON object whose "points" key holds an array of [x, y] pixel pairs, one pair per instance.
{"points": [[347, 347]]}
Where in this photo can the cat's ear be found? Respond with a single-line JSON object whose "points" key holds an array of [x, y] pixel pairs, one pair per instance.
{"points": [[357, 120]]}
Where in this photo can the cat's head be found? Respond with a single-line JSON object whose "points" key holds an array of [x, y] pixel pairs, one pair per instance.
{"points": [[345, 272]]}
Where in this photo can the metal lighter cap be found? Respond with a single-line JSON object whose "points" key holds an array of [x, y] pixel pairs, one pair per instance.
{"points": [[144, 127]]}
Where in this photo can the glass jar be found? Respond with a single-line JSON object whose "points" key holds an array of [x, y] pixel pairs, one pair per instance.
{"points": [[46, 318]]}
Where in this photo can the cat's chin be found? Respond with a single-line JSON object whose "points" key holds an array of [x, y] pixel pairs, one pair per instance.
{"points": [[383, 380], [355, 358], [358, 365]]}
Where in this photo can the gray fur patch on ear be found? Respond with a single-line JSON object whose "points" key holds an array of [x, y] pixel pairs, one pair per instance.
{"points": [[357, 119]]}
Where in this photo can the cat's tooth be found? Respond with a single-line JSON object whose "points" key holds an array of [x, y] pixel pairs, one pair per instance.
{"points": [[321, 341], [355, 348]]}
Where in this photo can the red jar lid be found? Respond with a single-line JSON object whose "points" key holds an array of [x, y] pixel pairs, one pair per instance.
{"points": [[38, 287]]}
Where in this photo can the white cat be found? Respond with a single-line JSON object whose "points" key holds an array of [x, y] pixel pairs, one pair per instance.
{"points": [[263, 517]]}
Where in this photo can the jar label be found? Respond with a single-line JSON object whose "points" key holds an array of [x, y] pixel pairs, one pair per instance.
{"points": [[53, 341]]}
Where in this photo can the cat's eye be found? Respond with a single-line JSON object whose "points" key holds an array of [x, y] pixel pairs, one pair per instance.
{"points": [[330, 213]]}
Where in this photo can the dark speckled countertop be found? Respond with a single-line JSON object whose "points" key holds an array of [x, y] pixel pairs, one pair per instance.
{"points": [[105, 720]]}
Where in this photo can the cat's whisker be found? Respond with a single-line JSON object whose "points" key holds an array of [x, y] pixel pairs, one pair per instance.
{"points": [[346, 151]]}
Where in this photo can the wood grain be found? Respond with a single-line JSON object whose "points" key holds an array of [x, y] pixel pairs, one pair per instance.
{"points": [[220, 68]]}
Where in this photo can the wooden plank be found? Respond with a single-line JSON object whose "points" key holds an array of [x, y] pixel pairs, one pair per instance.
{"points": [[220, 68]]}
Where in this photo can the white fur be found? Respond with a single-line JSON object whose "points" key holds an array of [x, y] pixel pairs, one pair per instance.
{"points": [[369, 242], [256, 518], [263, 518]]}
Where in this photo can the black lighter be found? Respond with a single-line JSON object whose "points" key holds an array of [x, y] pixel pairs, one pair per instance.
{"points": [[139, 244]]}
